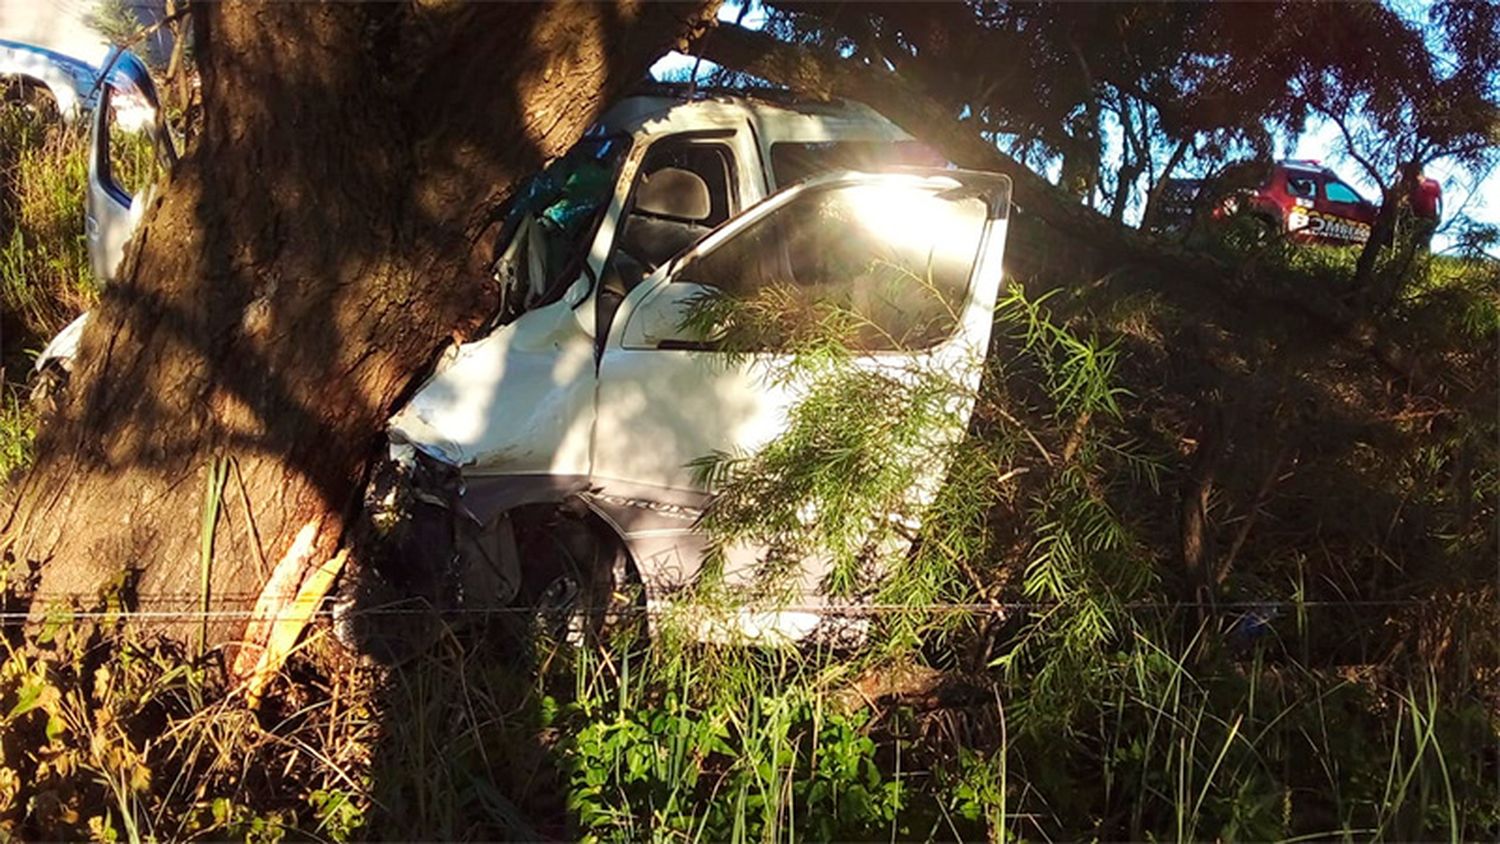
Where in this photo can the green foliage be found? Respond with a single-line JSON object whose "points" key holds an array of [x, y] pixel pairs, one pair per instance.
{"points": [[776, 766], [45, 278], [1457, 298], [116, 20], [339, 815], [106, 736], [836, 483], [17, 430]]}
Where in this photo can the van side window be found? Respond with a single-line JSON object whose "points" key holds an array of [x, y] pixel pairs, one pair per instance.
{"points": [[685, 188], [888, 267]]}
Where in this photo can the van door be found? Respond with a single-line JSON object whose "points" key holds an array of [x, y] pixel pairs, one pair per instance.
{"points": [[125, 156], [916, 257]]}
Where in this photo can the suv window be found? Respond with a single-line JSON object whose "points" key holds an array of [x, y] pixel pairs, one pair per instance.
{"points": [[1302, 185], [793, 162], [890, 262], [1336, 191]]}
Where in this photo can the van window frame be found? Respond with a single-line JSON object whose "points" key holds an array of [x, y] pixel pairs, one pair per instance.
{"points": [[700, 136], [102, 163]]}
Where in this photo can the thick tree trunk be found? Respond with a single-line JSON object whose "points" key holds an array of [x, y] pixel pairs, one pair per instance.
{"points": [[1136, 157], [321, 241], [1379, 293], [1125, 180]]}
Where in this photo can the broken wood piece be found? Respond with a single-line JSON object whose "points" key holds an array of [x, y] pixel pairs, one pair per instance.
{"points": [[289, 624], [280, 588]]}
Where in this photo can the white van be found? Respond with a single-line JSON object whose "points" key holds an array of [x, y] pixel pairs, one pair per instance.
{"points": [[549, 461]]}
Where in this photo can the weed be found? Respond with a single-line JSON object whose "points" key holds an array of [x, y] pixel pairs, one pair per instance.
{"points": [[45, 278], [16, 432]]}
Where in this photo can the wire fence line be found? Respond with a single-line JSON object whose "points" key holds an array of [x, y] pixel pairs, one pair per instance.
{"points": [[412, 607]]}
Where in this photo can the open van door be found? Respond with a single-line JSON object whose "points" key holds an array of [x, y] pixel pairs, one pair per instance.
{"points": [[916, 256], [128, 146]]}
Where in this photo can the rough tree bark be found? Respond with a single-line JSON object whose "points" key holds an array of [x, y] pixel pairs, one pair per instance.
{"points": [[329, 229]]}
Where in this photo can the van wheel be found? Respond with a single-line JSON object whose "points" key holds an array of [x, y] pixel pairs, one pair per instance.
{"points": [[577, 580]]}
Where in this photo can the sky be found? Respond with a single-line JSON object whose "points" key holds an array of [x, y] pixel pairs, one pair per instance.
{"points": [[1320, 139]]}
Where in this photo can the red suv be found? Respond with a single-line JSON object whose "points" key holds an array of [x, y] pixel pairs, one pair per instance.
{"points": [[1305, 200]]}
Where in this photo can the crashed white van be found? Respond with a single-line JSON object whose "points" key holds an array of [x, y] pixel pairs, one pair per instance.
{"points": [[548, 461]]}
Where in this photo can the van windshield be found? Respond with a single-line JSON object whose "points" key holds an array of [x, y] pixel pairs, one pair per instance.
{"points": [[552, 220]]}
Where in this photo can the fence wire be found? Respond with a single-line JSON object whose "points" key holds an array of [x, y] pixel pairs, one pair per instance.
{"points": [[183, 607]]}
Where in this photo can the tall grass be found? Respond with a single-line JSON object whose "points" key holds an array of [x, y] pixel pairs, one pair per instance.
{"points": [[45, 278]]}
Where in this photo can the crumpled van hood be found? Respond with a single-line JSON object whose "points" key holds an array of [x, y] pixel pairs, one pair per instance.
{"points": [[519, 401]]}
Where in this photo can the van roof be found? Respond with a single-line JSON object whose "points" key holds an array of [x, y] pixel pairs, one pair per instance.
{"points": [[654, 102]]}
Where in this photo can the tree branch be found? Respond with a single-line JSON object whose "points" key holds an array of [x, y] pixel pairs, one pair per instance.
{"points": [[1159, 185], [1349, 144], [828, 76]]}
